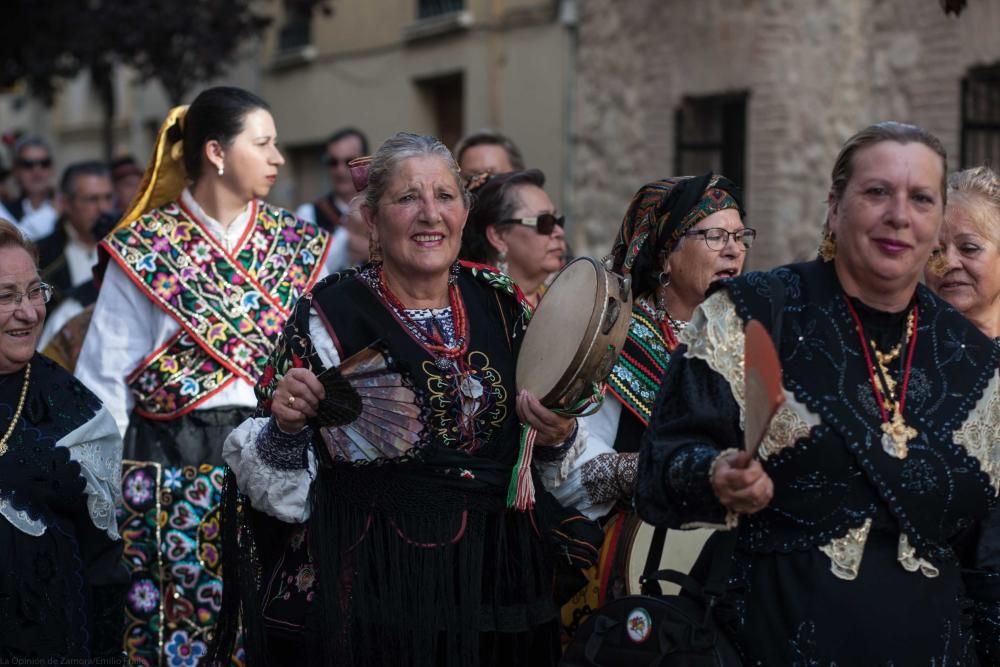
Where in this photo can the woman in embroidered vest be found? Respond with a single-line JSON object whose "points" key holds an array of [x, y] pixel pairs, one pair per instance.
{"points": [[678, 236], [513, 225], [864, 510], [401, 537], [203, 275], [61, 581], [965, 271]]}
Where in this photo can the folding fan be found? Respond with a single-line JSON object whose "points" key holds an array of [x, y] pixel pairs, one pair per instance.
{"points": [[762, 389], [369, 411]]}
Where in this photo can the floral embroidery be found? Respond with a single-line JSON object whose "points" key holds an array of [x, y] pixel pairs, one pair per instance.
{"points": [[172, 549], [229, 308], [183, 651], [468, 403], [716, 336], [980, 433], [143, 597], [635, 378]]}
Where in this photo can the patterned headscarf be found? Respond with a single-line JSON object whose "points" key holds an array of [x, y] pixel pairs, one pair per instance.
{"points": [[659, 215]]}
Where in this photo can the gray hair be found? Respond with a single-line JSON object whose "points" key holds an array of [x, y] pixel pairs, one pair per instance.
{"points": [[67, 184], [29, 140], [399, 147]]}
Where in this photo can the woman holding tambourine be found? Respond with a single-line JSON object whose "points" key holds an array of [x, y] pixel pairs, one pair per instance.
{"points": [[678, 236]]}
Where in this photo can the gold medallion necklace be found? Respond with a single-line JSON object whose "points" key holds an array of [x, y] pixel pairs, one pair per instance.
{"points": [[17, 412], [896, 433]]}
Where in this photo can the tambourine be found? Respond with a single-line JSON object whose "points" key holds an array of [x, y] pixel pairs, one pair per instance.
{"points": [[575, 334]]}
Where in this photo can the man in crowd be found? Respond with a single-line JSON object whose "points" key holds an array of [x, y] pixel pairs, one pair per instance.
{"points": [[343, 146], [68, 254], [487, 151], [33, 212], [126, 175]]}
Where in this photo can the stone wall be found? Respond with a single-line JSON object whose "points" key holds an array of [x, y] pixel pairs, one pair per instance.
{"points": [[816, 72]]}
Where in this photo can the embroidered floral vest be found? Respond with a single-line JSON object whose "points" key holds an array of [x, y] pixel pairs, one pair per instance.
{"points": [[230, 306], [637, 374]]}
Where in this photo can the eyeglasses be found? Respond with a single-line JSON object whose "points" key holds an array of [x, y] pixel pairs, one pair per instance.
{"points": [[544, 223], [37, 295], [43, 163], [334, 161], [716, 238]]}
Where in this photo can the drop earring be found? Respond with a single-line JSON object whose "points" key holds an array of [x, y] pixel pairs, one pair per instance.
{"points": [[502, 261], [222, 169]]}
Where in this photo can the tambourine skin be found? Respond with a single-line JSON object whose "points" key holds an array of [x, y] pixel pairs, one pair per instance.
{"points": [[575, 334]]}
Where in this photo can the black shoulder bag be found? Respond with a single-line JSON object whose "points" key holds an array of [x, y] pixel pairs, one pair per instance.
{"points": [[668, 630]]}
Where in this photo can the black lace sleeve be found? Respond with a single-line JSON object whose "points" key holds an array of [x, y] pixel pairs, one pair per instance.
{"points": [[695, 417]]}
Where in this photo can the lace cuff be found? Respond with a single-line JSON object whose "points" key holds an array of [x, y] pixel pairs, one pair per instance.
{"points": [[610, 477], [283, 451], [688, 484]]}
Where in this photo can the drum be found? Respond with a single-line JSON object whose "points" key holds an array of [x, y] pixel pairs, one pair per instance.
{"points": [[680, 550], [575, 334]]}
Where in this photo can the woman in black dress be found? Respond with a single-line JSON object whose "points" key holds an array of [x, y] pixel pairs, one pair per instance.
{"points": [[61, 581], [860, 535]]}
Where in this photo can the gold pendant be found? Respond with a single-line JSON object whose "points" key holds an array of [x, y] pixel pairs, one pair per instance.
{"points": [[895, 435]]}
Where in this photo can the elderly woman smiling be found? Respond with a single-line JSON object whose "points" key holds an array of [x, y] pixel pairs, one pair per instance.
{"points": [[861, 526], [421, 554], [966, 269], [61, 583]]}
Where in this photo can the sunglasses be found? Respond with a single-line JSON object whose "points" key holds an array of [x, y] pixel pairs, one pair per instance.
{"points": [[544, 223], [334, 161], [44, 163]]}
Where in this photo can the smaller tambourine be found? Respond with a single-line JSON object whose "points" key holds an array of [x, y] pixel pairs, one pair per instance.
{"points": [[763, 392], [576, 333]]}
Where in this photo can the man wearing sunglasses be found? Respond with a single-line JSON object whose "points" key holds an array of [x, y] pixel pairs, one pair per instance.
{"points": [[343, 146], [34, 212]]}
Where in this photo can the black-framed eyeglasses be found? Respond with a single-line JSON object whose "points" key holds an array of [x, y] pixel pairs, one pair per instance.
{"points": [[334, 161], [37, 295], [544, 223], [716, 238], [43, 163]]}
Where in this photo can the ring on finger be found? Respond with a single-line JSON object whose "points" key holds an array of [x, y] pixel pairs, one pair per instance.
{"points": [[291, 400]]}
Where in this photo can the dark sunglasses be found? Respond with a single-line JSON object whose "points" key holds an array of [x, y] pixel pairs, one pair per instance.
{"points": [[544, 223], [333, 161], [44, 163]]}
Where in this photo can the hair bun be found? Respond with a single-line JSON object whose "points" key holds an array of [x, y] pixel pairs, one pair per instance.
{"points": [[175, 132]]}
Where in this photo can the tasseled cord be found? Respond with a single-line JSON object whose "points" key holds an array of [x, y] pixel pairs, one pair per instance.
{"points": [[521, 490]]}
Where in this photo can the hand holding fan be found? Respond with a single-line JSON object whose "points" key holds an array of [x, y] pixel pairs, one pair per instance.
{"points": [[369, 411], [762, 384]]}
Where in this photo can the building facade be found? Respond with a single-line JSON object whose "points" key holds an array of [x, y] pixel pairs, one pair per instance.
{"points": [[767, 91]]}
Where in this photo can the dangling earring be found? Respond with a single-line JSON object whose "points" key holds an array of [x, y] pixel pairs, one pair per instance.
{"points": [[502, 261], [664, 278], [374, 250], [222, 169], [453, 272], [937, 264], [828, 247]]}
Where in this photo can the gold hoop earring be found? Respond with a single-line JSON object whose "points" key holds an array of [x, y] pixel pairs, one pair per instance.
{"points": [[828, 247], [937, 264]]}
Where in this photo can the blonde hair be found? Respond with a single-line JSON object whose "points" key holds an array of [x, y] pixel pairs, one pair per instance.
{"points": [[977, 191], [11, 237]]}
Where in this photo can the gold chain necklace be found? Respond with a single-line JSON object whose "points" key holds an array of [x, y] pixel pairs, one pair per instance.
{"points": [[17, 413]]}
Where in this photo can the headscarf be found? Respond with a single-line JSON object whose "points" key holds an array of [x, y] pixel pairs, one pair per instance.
{"points": [[659, 215], [165, 177]]}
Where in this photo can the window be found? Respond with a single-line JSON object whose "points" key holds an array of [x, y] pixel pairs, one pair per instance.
{"points": [[443, 99], [981, 117], [429, 8], [711, 135], [296, 33]]}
